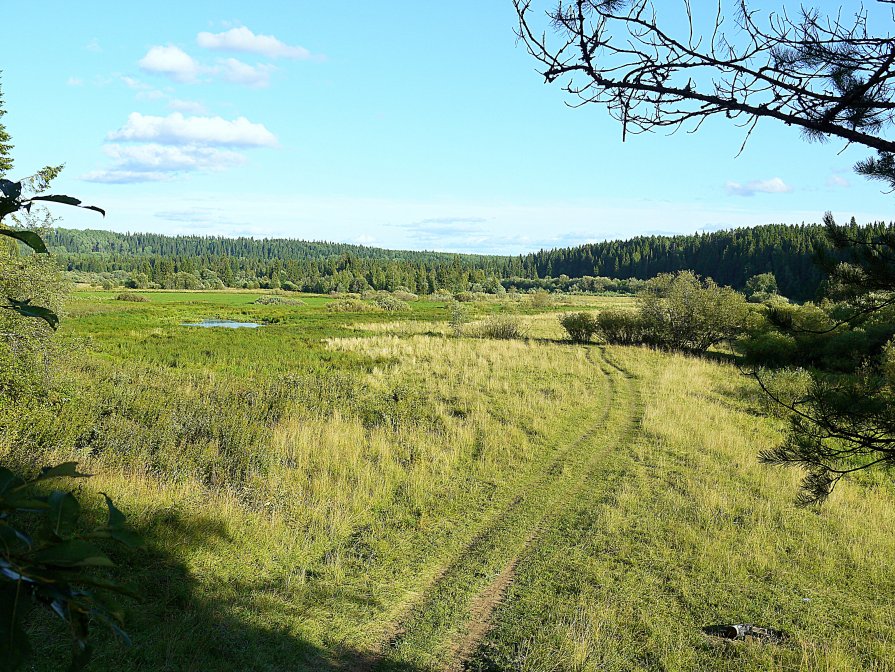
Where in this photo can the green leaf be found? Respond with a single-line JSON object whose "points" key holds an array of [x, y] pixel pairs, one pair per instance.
{"points": [[12, 540], [8, 480], [30, 239], [64, 470], [67, 200], [127, 537], [74, 553], [108, 584], [25, 309], [116, 518], [14, 646], [62, 518], [82, 652], [23, 500]]}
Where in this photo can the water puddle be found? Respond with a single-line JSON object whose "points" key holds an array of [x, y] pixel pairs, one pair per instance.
{"points": [[226, 324]]}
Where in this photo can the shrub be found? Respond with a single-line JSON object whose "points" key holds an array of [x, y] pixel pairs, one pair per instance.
{"points": [[352, 306], [502, 326], [464, 297], [391, 304], [760, 288], [769, 349], [539, 299], [130, 296], [277, 301], [401, 295], [683, 312], [620, 327], [459, 317], [441, 295], [579, 326]]}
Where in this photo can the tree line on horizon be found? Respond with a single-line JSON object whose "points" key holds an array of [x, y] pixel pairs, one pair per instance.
{"points": [[730, 257]]}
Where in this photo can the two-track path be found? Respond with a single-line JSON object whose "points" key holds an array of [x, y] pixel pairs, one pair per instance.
{"points": [[454, 612]]}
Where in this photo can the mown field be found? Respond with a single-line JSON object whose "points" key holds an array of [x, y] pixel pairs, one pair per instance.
{"points": [[370, 491]]}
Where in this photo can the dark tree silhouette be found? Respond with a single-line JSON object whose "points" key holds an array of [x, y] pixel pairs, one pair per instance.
{"points": [[824, 74]]}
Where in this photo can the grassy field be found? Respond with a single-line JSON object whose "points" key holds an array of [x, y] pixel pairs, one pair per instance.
{"points": [[368, 491]]}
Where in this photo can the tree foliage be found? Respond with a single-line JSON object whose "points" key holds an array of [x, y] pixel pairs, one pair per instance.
{"points": [[843, 421]]}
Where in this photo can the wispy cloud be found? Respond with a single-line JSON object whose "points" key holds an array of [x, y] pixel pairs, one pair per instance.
{"points": [[837, 181], [177, 129], [237, 72], [772, 186], [439, 226], [244, 40], [188, 106], [74, 81], [200, 217], [153, 162]]}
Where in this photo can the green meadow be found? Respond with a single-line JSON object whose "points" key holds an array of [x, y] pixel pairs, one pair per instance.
{"points": [[373, 491]]}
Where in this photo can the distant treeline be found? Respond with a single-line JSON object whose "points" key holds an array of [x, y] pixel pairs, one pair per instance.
{"points": [[191, 262], [728, 257]]}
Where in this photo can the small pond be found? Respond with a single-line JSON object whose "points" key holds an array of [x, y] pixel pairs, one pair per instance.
{"points": [[226, 324]]}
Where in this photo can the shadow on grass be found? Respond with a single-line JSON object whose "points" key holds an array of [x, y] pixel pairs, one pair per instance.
{"points": [[183, 624]]}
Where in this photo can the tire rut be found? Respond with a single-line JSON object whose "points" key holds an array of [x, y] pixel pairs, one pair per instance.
{"points": [[490, 599], [488, 561]]}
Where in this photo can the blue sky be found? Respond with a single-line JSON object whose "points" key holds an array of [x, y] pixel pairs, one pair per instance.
{"points": [[403, 124]]}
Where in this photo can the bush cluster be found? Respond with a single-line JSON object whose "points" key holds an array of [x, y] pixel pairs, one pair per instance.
{"points": [[130, 296], [391, 304], [579, 326], [503, 327], [677, 311], [620, 327], [277, 301], [352, 306]]}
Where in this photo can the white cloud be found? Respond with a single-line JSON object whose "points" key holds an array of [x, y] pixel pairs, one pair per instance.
{"points": [[171, 61], [176, 129], [188, 106], [133, 83], [236, 71], [244, 40], [93, 46], [837, 181], [773, 186], [158, 148], [74, 81], [170, 158], [153, 162]]}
